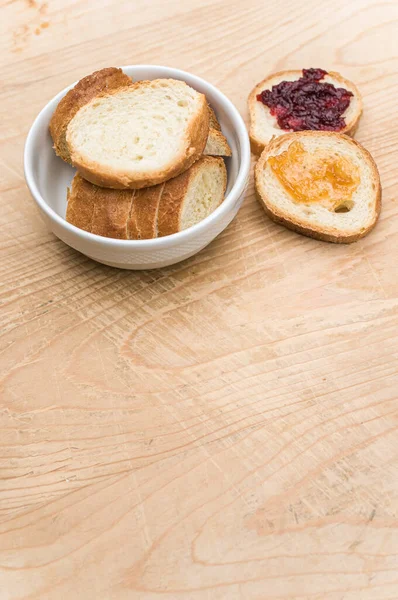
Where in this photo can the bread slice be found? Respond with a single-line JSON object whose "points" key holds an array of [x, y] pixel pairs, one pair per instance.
{"points": [[98, 210], [351, 218], [213, 121], [217, 144], [139, 136], [151, 212], [142, 222], [85, 90], [192, 196], [264, 126], [81, 197]]}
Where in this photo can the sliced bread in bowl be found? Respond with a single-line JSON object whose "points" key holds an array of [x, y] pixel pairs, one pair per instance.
{"points": [[321, 184], [151, 212], [264, 126], [140, 135]]}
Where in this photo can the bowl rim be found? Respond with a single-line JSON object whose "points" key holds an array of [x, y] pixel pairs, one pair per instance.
{"points": [[161, 242]]}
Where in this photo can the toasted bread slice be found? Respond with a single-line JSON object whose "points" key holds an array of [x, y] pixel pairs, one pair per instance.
{"points": [[337, 203], [151, 212], [264, 126], [192, 196], [86, 89], [139, 136]]}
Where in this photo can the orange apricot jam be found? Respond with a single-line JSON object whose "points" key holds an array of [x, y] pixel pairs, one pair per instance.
{"points": [[317, 176]]}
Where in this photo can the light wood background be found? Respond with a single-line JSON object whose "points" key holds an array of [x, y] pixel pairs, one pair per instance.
{"points": [[226, 428]]}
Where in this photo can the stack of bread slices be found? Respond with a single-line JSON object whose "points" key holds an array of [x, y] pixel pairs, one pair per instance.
{"points": [[148, 154], [315, 181]]}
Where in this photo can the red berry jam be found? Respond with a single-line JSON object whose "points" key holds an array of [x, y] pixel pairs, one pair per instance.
{"points": [[307, 103]]}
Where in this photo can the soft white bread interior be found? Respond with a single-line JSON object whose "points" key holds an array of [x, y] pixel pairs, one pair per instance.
{"points": [[139, 136], [264, 126], [147, 213], [342, 221]]}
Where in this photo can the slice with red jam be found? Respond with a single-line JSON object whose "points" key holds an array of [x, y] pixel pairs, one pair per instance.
{"points": [[307, 103], [311, 99]]}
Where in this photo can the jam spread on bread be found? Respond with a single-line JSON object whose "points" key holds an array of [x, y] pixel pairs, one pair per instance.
{"points": [[318, 176], [307, 103]]}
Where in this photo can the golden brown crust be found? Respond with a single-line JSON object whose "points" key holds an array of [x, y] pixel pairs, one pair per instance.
{"points": [[289, 222], [81, 201], [110, 178], [170, 204], [172, 199], [97, 210], [213, 121], [86, 89], [142, 221], [257, 146], [216, 144], [111, 211]]}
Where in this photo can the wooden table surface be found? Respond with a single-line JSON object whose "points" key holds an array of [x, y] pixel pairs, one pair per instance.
{"points": [[225, 428]]}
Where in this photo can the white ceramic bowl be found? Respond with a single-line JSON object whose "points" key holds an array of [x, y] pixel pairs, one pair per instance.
{"points": [[48, 177]]}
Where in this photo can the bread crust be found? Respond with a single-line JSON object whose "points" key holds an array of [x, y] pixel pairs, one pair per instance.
{"points": [[111, 211], [97, 210], [80, 203], [319, 233], [169, 211], [216, 143], [257, 145], [99, 82], [196, 138], [213, 121], [142, 221]]}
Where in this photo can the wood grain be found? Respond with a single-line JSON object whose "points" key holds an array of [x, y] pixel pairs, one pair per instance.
{"points": [[226, 428]]}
